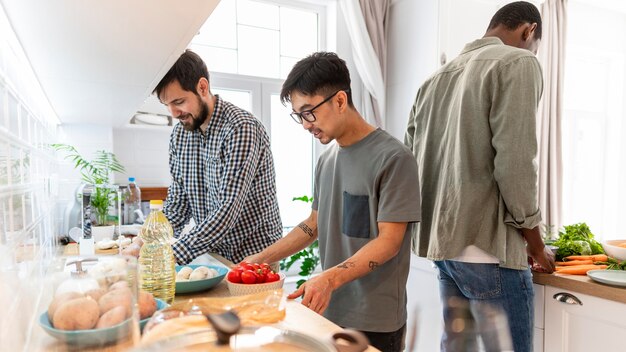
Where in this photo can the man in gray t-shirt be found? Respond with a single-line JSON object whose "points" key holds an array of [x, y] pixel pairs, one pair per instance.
{"points": [[366, 201]]}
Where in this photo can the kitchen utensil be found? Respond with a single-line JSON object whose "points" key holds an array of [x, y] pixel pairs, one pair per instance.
{"points": [[613, 250]]}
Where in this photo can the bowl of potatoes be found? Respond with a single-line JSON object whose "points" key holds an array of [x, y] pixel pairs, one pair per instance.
{"points": [[194, 278], [96, 317]]}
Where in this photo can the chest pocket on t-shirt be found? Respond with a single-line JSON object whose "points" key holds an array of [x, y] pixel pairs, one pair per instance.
{"points": [[356, 216]]}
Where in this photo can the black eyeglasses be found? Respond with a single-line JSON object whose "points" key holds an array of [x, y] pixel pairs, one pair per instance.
{"points": [[307, 115]]}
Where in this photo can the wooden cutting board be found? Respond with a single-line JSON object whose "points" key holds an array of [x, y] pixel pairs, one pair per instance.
{"points": [[72, 249]]}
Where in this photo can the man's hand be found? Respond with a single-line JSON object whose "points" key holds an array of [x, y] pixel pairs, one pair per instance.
{"points": [[316, 293], [254, 258], [543, 259]]}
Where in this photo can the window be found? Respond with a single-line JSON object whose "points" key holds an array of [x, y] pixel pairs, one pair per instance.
{"points": [[256, 38], [250, 47], [593, 132]]}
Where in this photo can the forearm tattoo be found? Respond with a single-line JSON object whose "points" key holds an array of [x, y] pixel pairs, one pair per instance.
{"points": [[304, 227], [345, 265], [373, 265]]}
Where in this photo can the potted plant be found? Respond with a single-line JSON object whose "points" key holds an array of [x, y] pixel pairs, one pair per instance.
{"points": [[309, 257], [96, 174]]}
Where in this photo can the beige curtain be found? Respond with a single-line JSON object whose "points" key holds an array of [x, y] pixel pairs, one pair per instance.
{"points": [[366, 23], [551, 55], [376, 14]]}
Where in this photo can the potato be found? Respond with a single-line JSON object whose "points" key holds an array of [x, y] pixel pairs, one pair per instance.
{"points": [[112, 317], [115, 298], [96, 294], [199, 273], [183, 273], [147, 304], [118, 285], [59, 300], [77, 314], [212, 273]]}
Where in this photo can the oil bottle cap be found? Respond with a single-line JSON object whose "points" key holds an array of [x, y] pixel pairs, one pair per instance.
{"points": [[156, 203]]}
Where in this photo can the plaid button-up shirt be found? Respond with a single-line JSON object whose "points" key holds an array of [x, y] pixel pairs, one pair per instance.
{"points": [[225, 180]]}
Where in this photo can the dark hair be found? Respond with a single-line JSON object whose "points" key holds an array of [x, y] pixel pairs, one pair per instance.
{"points": [[515, 14], [187, 70], [321, 73]]}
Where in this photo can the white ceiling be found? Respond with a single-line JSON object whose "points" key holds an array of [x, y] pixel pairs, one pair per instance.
{"points": [[98, 61]]}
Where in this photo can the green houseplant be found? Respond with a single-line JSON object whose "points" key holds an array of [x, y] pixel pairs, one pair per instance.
{"points": [[96, 172], [309, 257]]}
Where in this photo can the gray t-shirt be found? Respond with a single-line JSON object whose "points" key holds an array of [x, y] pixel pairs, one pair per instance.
{"points": [[374, 180]]}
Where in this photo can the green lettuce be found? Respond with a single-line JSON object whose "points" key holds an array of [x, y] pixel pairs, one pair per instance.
{"points": [[576, 239]]}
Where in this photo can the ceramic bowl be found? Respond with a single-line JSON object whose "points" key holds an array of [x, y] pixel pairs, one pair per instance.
{"points": [[247, 289], [93, 337], [200, 285], [613, 250]]}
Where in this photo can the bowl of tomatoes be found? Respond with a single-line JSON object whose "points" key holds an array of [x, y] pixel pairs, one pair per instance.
{"points": [[248, 278]]}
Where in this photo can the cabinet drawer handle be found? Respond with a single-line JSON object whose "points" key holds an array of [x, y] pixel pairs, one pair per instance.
{"points": [[567, 298]]}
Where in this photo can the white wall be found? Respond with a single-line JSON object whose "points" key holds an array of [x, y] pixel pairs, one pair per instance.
{"points": [[411, 56], [143, 150]]}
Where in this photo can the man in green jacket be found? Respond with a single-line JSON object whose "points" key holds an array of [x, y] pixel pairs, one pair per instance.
{"points": [[472, 130]]}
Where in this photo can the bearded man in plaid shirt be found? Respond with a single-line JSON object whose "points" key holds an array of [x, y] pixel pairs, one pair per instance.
{"points": [[222, 170]]}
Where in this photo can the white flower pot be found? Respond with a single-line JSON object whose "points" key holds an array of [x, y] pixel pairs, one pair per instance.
{"points": [[102, 232]]}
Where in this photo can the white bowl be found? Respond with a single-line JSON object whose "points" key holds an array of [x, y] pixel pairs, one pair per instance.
{"points": [[247, 289], [613, 250]]}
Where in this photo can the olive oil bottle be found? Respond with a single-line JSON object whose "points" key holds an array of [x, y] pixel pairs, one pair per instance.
{"points": [[157, 266]]}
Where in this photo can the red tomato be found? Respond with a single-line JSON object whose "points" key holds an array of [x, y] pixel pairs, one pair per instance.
{"points": [[246, 266], [234, 276], [248, 277], [272, 276], [260, 275]]}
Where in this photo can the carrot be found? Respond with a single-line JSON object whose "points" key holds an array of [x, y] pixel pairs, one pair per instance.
{"points": [[595, 257], [578, 269], [575, 262]]}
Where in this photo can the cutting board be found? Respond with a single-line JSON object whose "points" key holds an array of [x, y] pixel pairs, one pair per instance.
{"points": [[72, 249]]}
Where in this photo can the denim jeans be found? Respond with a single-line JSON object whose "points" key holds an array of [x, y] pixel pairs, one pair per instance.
{"points": [[494, 303]]}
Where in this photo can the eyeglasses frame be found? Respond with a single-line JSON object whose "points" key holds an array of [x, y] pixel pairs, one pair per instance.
{"points": [[297, 116]]}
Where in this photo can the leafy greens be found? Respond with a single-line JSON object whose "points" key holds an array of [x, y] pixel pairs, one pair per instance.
{"points": [[576, 239]]}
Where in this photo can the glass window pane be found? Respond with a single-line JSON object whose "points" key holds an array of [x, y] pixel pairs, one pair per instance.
{"points": [[13, 115], [257, 14], [28, 209], [217, 59], [292, 148], [3, 119], [220, 29], [24, 129], [240, 98], [286, 64], [16, 166], [298, 32], [4, 163], [26, 166], [258, 52]]}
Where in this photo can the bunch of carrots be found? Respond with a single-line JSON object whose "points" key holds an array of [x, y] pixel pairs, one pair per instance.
{"points": [[581, 264]]}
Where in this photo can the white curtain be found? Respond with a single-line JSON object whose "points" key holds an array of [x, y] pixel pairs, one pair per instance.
{"points": [[365, 20], [551, 55]]}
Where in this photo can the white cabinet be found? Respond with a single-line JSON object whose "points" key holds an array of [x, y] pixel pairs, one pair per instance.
{"points": [[576, 322], [538, 323]]}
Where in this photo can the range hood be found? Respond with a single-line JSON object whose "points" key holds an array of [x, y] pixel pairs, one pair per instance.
{"points": [[98, 61]]}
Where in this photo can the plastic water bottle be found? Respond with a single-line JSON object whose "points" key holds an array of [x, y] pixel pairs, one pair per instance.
{"points": [[157, 266], [132, 203]]}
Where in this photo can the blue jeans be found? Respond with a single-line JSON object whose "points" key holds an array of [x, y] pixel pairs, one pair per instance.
{"points": [[488, 301]]}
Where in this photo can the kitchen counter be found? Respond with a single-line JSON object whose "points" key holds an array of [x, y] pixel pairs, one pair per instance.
{"points": [[298, 318], [581, 284]]}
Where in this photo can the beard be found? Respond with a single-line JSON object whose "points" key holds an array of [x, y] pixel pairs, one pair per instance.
{"points": [[197, 121]]}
